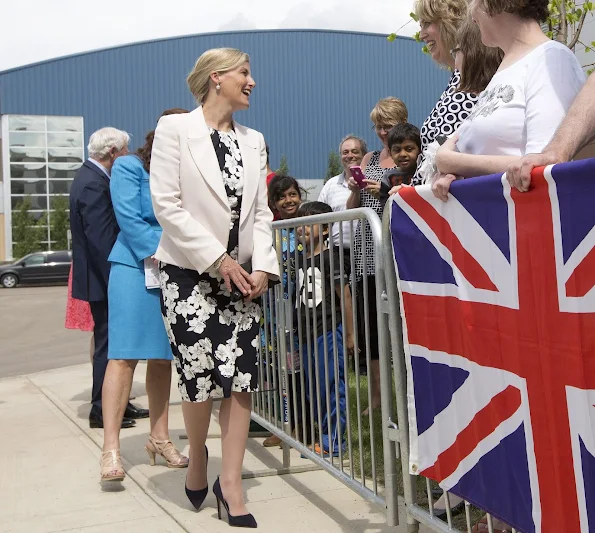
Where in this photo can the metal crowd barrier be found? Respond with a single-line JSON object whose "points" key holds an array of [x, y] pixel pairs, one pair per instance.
{"points": [[295, 368], [313, 393], [416, 513]]}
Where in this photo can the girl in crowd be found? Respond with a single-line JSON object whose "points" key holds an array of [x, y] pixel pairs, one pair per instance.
{"points": [[208, 184], [136, 329], [386, 114], [285, 198], [527, 98]]}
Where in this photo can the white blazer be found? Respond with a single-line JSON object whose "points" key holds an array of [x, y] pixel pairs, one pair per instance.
{"points": [[190, 201]]}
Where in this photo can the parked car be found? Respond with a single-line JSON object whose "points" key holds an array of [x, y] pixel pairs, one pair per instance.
{"points": [[38, 267]]}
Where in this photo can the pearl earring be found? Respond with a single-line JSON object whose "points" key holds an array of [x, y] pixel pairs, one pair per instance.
{"points": [[217, 86]]}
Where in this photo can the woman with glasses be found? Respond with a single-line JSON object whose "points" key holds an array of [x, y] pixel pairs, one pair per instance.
{"points": [[387, 113], [440, 21]]}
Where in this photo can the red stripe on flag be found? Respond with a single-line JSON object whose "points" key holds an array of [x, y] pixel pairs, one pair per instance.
{"points": [[463, 260], [582, 279], [502, 407]]}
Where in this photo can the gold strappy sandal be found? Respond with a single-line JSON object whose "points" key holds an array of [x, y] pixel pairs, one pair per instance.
{"points": [[168, 451], [111, 466]]}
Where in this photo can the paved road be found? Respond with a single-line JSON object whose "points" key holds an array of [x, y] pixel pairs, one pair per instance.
{"points": [[32, 333]]}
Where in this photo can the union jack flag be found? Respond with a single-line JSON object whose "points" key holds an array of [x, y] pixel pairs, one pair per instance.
{"points": [[498, 298]]}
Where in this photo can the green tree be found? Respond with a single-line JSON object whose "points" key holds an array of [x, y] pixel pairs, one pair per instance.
{"points": [[565, 24], [283, 169], [334, 165], [59, 222], [26, 234], [393, 36]]}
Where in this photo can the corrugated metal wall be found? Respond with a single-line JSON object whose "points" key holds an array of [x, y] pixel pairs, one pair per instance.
{"points": [[313, 87]]}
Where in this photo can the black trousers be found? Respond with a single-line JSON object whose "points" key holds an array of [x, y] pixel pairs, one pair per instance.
{"points": [[372, 313], [99, 312]]}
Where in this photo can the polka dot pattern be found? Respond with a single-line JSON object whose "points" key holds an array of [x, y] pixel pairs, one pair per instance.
{"points": [[449, 112]]}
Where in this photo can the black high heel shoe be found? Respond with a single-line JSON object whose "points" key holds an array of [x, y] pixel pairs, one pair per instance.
{"points": [[245, 520], [197, 497]]}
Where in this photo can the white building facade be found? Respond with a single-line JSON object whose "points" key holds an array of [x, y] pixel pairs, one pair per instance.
{"points": [[39, 159]]}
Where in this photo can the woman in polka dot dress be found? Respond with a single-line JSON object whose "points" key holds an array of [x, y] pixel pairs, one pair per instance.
{"points": [[440, 23]]}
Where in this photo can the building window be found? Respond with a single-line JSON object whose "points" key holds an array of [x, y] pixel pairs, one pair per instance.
{"points": [[43, 154]]}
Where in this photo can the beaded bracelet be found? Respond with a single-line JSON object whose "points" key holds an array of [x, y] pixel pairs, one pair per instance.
{"points": [[217, 264]]}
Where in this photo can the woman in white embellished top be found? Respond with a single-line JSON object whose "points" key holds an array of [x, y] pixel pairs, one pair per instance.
{"points": [[523, 105]]}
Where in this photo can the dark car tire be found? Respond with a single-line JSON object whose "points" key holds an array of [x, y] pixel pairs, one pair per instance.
{"points": [[9, 281]]}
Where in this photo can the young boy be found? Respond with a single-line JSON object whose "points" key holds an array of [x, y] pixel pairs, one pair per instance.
{"points": [[315, 312], [404, 144]]}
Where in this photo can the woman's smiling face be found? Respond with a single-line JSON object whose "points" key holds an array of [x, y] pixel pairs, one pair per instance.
{"points": [[430, 34]]}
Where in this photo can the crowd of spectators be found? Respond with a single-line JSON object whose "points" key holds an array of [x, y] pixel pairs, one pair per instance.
{"points": [[511, 89]]}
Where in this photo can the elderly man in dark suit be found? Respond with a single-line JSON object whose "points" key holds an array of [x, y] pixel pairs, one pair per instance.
{"points": [[94, 230]]}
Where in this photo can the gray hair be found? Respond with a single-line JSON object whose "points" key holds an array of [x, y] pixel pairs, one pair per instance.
{"points": [[362, 143], [103, 140]]}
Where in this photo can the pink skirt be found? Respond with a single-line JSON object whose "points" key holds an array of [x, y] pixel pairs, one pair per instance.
{"points": [[78, 312]]}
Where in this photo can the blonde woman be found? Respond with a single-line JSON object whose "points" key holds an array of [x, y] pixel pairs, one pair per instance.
{"points": [[387, 113], [440, 22], [209, 192]]}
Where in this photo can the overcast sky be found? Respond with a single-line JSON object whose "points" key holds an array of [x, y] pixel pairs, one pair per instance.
{"points": [[34, 30]]}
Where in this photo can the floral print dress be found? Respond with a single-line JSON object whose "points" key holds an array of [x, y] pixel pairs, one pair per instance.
{"points": [[214, 341]]}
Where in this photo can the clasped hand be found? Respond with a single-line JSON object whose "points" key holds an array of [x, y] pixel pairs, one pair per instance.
{"points": [[250, 285]]}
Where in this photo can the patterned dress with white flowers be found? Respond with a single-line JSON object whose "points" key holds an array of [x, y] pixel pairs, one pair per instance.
{"points": [[214, 341]]}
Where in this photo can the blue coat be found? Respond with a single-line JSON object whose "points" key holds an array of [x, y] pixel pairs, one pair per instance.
{"points": [[139, 230], [136, 328], [94, 228]]}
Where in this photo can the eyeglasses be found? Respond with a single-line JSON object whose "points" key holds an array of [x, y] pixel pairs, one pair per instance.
{"points": [[383, 127], [454, 52]]}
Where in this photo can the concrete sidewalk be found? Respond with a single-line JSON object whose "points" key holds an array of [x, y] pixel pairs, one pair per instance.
{"points": [[49, 459]]}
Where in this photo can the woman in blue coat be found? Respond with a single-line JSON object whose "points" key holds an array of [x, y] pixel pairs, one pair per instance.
{"points": [[135, 326]]}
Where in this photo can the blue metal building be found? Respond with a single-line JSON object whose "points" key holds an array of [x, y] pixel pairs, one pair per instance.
{"points": [[313, 87]]}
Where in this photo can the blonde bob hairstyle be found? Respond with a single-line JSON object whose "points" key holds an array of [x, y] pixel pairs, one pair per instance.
{"points": [[219, 60], [448, 14], [389, 111]]}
